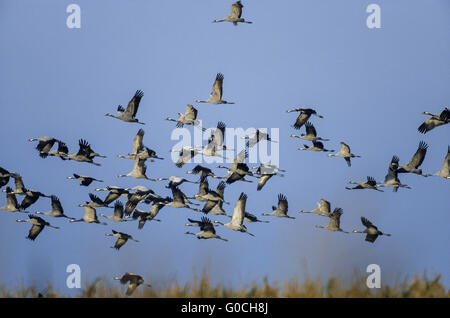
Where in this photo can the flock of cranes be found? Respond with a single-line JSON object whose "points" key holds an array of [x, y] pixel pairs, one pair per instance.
{"points": [[213, 200]]}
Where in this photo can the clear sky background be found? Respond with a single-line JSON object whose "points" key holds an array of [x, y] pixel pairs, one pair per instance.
{"points": [[371, 86]]}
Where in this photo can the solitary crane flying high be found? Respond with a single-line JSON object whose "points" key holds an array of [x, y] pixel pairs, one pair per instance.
{"points": [[235, 15]]}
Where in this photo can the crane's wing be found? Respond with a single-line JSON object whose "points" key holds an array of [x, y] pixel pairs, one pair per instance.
{"points": [[367, 223], [133, 105], [446, 165], [11, 197], [239, 159], [324, 206], [137, 142], [95, 199], [220, 190], [56, 204], [445, 115], [62, 147], [310, 130], [218, 135], [282, 204], [118, 209], [34, 231], [90, 213], [217, 89], [18, 182], [191, 112], [185, 155], [236, 10], [419, 156], [206, 225], [263, 180], [371, 181], [239, 210], [177, 195], [84, 149], [302, 118], [345, 148], [335, 218], [318, 144]]}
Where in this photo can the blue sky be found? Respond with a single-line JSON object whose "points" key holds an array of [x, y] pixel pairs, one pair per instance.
{"points": [[371, 86]]}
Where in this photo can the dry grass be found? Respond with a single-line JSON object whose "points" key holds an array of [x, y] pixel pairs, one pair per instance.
{"points": [[419, 286]]}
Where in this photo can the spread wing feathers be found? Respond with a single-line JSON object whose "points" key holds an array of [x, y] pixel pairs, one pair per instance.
{"points": [[11, 197], [419, 156], [239, 159], [62, 147], [185, 155], [335, 218], [367, 223], [217, 136], [282, 204], [118, 209], [445, 114], [178, 196], [371, 181], [324, 206], [263, 180], [85, 148], [206, 225], [209, 205], [239, 210], [34, 231], [133, 105], [137, 142], [56, 204], [391, 175], [204, 186], [345, 148], [191, 113], [120, 242], [220, 190], [18, 182], [394, 163], [95, 199], [317, 144], [301, 119], [217, 89], [310, 130], [236, 10]]}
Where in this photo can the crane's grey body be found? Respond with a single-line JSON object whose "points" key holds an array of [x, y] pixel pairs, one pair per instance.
{"points": [[217, 91], [445, 170], [129, 114], [345, 153], [303, 117], [335, 222], [237, 220], [435, 120], [90, 215], [134, 281], [417, 159], [207, 229], [317, 146], [38, 224], [235, 15], [323, 208], [371, 183], [280, 210], [371, 230], [311, 134], [122, 238]]}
